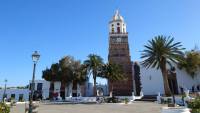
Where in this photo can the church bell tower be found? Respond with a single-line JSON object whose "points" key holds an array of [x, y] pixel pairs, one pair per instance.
{"points": [[119, 54]]}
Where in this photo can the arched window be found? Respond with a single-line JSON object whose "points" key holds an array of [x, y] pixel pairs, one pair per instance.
{"points": [[118, 29]]}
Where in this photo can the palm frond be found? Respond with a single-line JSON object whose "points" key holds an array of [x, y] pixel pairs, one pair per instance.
{"points": [[161, 48]]}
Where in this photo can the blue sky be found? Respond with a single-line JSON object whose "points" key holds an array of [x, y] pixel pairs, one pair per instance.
{"points": [[79, 27]]}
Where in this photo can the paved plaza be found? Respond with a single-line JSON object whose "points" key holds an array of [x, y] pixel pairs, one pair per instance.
{"points": [[136, 107]]}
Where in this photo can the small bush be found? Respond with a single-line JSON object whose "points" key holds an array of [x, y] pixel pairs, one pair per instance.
{"points": [[195, 105], [126, 100], [21, 100], [112, 100], [4, 108]]}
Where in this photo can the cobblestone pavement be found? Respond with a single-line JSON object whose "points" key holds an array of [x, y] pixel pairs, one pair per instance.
{"points": [[136, 107]]}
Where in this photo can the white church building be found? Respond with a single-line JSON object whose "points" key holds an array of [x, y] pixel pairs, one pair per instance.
{"points": [[152, 81]]}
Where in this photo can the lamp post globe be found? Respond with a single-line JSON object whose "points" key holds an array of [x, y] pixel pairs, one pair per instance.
{"points": [[35, 58]]}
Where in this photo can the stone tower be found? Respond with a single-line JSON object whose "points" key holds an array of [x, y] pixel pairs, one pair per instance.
{"points": [[119, 54]]}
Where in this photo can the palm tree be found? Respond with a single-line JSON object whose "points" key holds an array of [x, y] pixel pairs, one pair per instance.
{"points": [[159, 52], [113, 73], [94, 64]]}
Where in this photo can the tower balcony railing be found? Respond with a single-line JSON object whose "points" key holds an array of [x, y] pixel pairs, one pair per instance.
{"points": [[118, 33]]}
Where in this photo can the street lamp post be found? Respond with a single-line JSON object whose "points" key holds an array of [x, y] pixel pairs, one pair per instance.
{"points": [[4, 93], [35, 58]]}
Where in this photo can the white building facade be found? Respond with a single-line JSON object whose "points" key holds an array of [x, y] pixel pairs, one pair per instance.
{"points": [[43, 87], [152, 81], [85, 90], [15, 94]]}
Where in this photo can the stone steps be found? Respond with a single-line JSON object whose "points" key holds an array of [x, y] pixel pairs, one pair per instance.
{"points": [[149, 98]]}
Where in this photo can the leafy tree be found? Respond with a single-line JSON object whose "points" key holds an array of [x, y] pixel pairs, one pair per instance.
{"points": [[51, 75], [80, 74], [113, 73], [159, 52], [94, 64], [55, 71], [72, 71], [66, 76], [47, 75], [191, 62], [67, 71]]}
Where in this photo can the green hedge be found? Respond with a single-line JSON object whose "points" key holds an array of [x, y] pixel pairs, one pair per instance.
{"points": [[195, 105], [4, 108]]}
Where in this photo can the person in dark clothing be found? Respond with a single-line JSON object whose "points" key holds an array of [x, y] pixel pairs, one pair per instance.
{"points": [[182, 90], [193, 89], [198, 88]]}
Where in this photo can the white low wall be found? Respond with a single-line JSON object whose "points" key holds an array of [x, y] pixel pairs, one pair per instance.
{"points": [[175, 110], [93, 99], [129, 97], [81, 99]]}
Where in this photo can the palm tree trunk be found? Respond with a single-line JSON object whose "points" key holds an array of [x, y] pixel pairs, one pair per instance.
{"points": [[165, 80], [111, 91], [94, 89]]}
